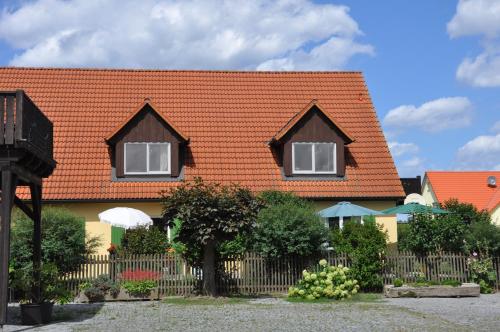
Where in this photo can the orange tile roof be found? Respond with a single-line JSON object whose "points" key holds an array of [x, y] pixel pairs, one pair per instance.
{"points": [[228, 116], [470, 187]]}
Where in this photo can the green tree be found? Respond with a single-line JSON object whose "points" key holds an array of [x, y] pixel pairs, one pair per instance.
{"points": [[365, 245], [288, 225], [431, 233], [142, 240], [63, 240], [210, 214]]}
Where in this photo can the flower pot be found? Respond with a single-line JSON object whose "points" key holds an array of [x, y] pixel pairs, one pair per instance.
{"points": [[36, 313]]}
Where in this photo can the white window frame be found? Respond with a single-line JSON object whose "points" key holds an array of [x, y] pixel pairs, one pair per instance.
{"points": [[148, 172], [313, 171]]}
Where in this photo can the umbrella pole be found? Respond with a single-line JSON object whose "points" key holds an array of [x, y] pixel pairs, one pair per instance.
{"points": [[341, 222], [362, 221]]}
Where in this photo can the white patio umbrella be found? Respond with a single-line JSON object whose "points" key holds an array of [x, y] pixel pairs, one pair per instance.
{"points": [[125, 217]]}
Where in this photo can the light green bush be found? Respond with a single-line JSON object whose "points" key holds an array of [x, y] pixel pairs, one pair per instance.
{"points": [[326, 282]]}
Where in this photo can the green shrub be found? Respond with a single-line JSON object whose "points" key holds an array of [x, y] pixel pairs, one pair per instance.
{"points": [[144, 241], [365, 245], [450, 282], [398, 282], [139, 288], [96, 289], [63, 240], [482, 273], [325, 282], [288, 226]]}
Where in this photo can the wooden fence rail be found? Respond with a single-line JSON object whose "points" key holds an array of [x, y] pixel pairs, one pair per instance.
{"points": [[252, 274]]}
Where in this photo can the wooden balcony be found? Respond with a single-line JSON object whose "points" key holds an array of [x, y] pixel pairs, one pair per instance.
{"points": [[26, 136]]}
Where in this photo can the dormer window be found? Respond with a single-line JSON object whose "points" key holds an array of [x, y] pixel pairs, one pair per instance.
{"points": [[147, 158], [311, 145], [314, 158], [147, 147]]}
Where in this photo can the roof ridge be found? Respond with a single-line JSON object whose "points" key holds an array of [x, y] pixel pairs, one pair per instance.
{"points": [[235, 71]]}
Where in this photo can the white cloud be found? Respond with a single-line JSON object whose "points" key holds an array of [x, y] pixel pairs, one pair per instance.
{"points": [[475, 17], [482, 152], [432, 116], [479, 17], [496, 127], [411, 167], [399, 149], [482, 71], [292, 34]]}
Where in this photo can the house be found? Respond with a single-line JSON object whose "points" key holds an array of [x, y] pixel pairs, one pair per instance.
{"points": [[121, 136], [479, 188]]}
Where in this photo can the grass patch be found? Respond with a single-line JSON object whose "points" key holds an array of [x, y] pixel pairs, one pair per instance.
{"points": [[201, 300], [360, 297]]}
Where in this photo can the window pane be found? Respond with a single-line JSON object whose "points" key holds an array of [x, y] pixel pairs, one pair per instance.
{"points": [[324, 157], [303, 157], [158, 157], [136, 155]]}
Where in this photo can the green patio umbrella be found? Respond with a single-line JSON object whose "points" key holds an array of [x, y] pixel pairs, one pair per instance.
{"points": [[413, 208], [346, 209]]}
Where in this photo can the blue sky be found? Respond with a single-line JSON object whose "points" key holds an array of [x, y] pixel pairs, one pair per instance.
{"points": [[432, 67]]}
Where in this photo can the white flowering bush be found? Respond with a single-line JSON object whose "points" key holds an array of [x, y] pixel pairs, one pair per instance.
{"points": [[327, 282]]}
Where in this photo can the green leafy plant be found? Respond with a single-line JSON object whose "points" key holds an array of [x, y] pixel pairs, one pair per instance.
{"points": [[139, 288], [365, 245], [63, 241], [482, 273], [211, 214], [97, 289], [325, 282], [286, 226], [144, 241], [52, 289], [398, 282]]}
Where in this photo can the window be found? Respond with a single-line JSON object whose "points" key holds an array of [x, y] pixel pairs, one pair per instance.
{"points": [[147, 158], [314, 158]]}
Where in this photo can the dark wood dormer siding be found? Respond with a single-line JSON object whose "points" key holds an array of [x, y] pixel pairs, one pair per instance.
{"points": [[313, 127], [148, 126]]}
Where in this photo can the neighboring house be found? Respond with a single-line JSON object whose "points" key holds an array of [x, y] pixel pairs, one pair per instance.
{"points": [[121, 136], [478, 188], [411, 186]]}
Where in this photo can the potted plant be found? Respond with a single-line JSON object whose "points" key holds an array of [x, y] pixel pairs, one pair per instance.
{"points": [[37, 308]]}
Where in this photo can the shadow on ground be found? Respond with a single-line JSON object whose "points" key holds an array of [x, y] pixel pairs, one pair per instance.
{"points": [[62, 313]]}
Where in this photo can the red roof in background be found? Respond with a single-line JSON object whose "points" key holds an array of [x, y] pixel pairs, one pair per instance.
{"points": [[229, 118], [470, 187]]}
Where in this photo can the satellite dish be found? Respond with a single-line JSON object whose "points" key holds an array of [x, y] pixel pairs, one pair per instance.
{"points": [[492, 181], [415, 198]]}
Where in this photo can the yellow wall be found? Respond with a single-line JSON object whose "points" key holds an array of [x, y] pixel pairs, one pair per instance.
{"points": [[495, 216], [428, 193], [94, 227], [388, 223]]}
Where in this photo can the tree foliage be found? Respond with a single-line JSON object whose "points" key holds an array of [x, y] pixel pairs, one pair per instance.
{"points": [[365, 245], [210, 213], [63, 240], [144, 240], [428, 233], [288, 225]]}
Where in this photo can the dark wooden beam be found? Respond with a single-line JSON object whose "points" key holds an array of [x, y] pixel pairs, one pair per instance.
{"points": [[25, 208], [9, 184], [36, 201]]}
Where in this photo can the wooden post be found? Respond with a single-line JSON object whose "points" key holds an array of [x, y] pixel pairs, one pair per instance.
{"points": [[36, 201], [9, 182]]}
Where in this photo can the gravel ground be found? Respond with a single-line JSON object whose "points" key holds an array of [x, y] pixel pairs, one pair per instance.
{"points": [[464, 314]]}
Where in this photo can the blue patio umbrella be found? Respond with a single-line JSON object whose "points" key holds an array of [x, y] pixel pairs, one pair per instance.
{"points": [[347, 209]]}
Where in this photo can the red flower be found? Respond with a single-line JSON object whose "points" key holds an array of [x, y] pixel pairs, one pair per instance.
{"points": [[138, 275]]}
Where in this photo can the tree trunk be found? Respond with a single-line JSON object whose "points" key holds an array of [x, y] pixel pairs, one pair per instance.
{"points": [[209, 286]]}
